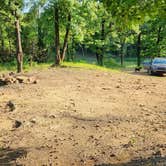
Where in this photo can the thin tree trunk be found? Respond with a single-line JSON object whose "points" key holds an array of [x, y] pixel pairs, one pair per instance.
{"points": [[3, 46], [82, 50], [57, 37], [2, 42], [139, 49], [158, 41], [68, 53], [97, 55], [72, 48], [66, 37], [102, 40], [121, 55], [19, 52], [122, 51], [10, 48]]}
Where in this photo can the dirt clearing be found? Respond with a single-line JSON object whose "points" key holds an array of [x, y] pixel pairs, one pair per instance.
{"points": [[84, 117]]}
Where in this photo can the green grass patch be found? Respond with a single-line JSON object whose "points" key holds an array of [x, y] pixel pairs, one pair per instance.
{"points": [[109, 64], [7, 67], [41, 66], [38, 66], [85, 66]]}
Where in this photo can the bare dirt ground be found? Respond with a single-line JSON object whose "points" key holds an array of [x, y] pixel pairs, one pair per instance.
{"points": [[84, 117]]}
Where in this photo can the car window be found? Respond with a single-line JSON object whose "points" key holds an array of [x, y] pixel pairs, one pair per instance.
{"points": [[159, 61]]}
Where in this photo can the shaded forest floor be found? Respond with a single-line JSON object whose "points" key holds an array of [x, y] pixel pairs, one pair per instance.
{"points": [[84, 117]]}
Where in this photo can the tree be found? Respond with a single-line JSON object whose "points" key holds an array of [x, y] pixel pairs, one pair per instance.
{"points": [[103, 28], [132, 14], [11, 10], [62, 12], [19, 51]]}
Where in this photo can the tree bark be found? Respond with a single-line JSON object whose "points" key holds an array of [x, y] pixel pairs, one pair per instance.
{"points": [[66, 37], [57, 36], [19, 52], [139, 49]]}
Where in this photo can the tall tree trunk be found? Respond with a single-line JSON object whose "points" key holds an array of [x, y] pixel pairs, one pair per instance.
{"points": [[72, 47], [82, 49], [139, 49], [57, 37], [2, 45], [122, 51], [122, 55], [66, 37], [68, 53], [158, 41], [102, 40], [10, 48], [19, 52], [2, 41], [97, 55]]}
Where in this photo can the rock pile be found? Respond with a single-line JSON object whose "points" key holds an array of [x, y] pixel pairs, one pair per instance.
{"points": [[12, 78]]}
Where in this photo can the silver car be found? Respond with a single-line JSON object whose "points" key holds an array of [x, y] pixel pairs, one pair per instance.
{"points": [[157, 65]]}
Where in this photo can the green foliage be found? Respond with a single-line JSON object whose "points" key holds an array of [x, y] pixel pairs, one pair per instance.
{"points": [[124, 20]]}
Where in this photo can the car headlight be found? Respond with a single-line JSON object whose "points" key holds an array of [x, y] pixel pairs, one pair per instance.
{"points": [[154, 67]]}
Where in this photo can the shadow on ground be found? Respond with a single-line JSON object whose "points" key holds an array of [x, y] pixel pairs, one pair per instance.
{"points": [[9, 156], [143, 73], [152, 161]]}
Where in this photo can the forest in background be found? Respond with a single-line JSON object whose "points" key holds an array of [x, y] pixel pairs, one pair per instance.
{"points": [[54, 31]]}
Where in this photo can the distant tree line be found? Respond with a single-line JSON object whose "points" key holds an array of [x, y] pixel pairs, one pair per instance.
{"points": [[32, 30]]}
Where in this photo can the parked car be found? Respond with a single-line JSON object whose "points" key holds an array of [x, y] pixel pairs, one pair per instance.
{"points": [[155, 66]]}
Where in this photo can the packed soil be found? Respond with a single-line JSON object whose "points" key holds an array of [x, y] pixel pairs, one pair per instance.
{"points": [[84, 117]]}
